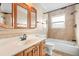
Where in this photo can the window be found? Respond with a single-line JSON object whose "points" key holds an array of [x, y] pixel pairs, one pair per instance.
{"points": [[58, 21]]}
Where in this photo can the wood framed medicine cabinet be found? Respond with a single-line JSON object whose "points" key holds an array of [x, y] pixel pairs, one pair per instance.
{"points": [[29, 12]]}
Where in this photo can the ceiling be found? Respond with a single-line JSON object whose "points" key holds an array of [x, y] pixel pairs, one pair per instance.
{"points": [[45, 7], [52, 6]]}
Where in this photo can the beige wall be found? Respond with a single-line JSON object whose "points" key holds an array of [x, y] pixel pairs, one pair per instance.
{"points": [[65, 34], [77, 22], [6, 33]]}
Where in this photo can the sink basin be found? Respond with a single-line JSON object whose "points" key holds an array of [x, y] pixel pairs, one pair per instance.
{"points": [[21, 42], [28, 40], [17, 41]]}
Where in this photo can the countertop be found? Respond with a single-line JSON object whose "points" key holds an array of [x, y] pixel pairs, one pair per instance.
{"points": [[12, 46]]}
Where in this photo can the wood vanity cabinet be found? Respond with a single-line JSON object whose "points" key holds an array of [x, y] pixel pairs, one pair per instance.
{"points": [[19, 54], [29, 51], [42, 48], [35, 50], [32, 51]]}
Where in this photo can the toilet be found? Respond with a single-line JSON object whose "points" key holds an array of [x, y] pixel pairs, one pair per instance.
{"points": [[49, 49]]}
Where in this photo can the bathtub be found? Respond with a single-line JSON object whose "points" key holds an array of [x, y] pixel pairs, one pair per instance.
{"points": [[64, 46]]}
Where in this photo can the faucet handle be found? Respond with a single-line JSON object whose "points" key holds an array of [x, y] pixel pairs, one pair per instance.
{"points": [[24, 35], [21, 38]]}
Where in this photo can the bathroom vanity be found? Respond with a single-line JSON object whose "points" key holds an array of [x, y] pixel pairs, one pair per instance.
{"points": [[35, 50], [33, 46]]}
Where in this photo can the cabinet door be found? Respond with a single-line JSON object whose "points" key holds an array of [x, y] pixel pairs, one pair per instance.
{"points": [[42, 49], [25, 53], [30, 53], [36, 51], [19, 54]]}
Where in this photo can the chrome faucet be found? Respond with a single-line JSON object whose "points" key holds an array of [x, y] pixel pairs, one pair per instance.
{"points": [[23, 37]]}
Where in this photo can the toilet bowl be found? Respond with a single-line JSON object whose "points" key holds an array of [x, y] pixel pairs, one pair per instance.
{"points": [[49, 49]]}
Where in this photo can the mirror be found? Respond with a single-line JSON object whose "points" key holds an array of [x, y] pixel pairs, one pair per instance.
{"points": [[21, 17], [17, 16], [6, 15], [26, 16]]}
